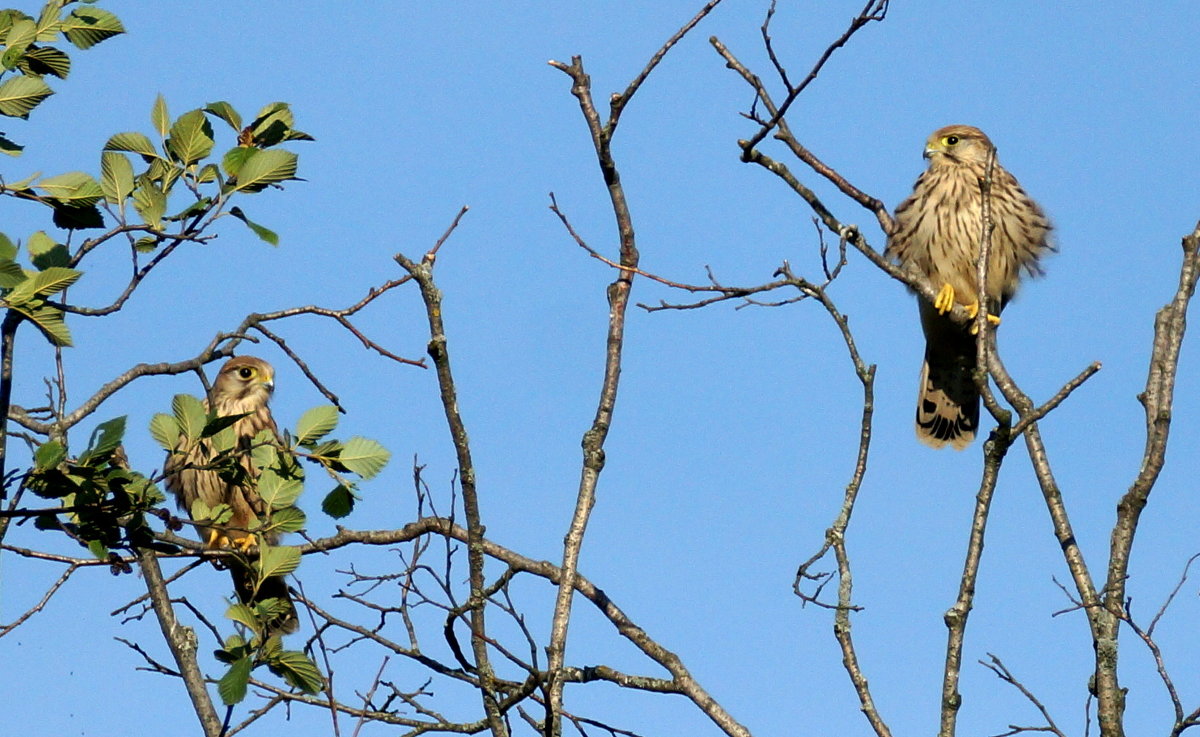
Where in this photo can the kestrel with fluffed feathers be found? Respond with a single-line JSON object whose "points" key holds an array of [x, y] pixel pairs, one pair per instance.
{"points": [[243, 387], [938, 230]]}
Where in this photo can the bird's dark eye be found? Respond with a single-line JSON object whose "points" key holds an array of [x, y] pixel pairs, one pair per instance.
{"points": [[245, 372], [951, 140]]}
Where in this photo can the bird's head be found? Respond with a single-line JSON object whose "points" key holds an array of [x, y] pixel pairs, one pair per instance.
{"points": [[244, 378], [958, 144]]}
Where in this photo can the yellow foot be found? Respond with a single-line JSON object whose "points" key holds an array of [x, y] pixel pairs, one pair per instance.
{"points": [[944, 301], [216, 539], [973, 310], [246, 543]]}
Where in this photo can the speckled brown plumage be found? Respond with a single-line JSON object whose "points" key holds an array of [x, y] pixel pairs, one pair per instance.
{"points": [[244, 385], [937, 230]]}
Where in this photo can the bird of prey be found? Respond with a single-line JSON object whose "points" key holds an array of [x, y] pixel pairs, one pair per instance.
{"points": [[938, 230], [243, 387]]}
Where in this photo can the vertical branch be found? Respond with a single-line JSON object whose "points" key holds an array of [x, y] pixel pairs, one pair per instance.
{"points": [[593, 439], [182, 642], [422, 273], [618, 302], [8, 332], [956, 616], [995, 450], [1169, 326]]}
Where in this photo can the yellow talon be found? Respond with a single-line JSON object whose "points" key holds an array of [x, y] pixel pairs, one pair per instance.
{"points": [[246, 543], [973, 310], [944, 302], [216, 539]]}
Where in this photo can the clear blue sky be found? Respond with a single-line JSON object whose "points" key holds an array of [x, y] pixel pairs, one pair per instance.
{"points": [[735, 430]]}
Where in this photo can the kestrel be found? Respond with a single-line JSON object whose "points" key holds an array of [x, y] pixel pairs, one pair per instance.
{"points": [[937, 230], [243, 386]]}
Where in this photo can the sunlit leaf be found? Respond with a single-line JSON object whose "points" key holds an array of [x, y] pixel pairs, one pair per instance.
{"points": [[19, 95], [133, 142], [150, 203], [232, 686], [225, 111], [364, 456], [49, 454], [45, 252], [265, 168], [165, 430], [86, 27], [298, 671], [108, 435], [10, 147], [288, 519], [278, 492], [189, 414], [277, 560], [242, 614], [46, 60], [264, 233], [116, 176], [76, 188], [316, 423], [191, 137], [159, 117]]}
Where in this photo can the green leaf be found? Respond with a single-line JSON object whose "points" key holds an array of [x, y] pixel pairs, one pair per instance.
{"points": [[191, 137], [11, 274], [232, 686], [47, 23], [46, 60], [288, 519], [10, 147], [244, 615], [338, 503], [133, 142], [98, 548], [165, 431], [19, 95], [49, 454], [10, 16], [200, 511], [51, 322], [77, 217], [265, 168], [116, 177], [76, 188], [44, 283], [108, 435], [364, 456], [21, 34], [191, 210], [316, 423], [235, 157], [209, 173], [86, 27], [159, 117], [278, 492], [266, 234], [225, 111], [150, 203], [145, 244], [189, 414], [298, 671], [8, 249], [45, 252], [277, 561], [217, 424]]}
